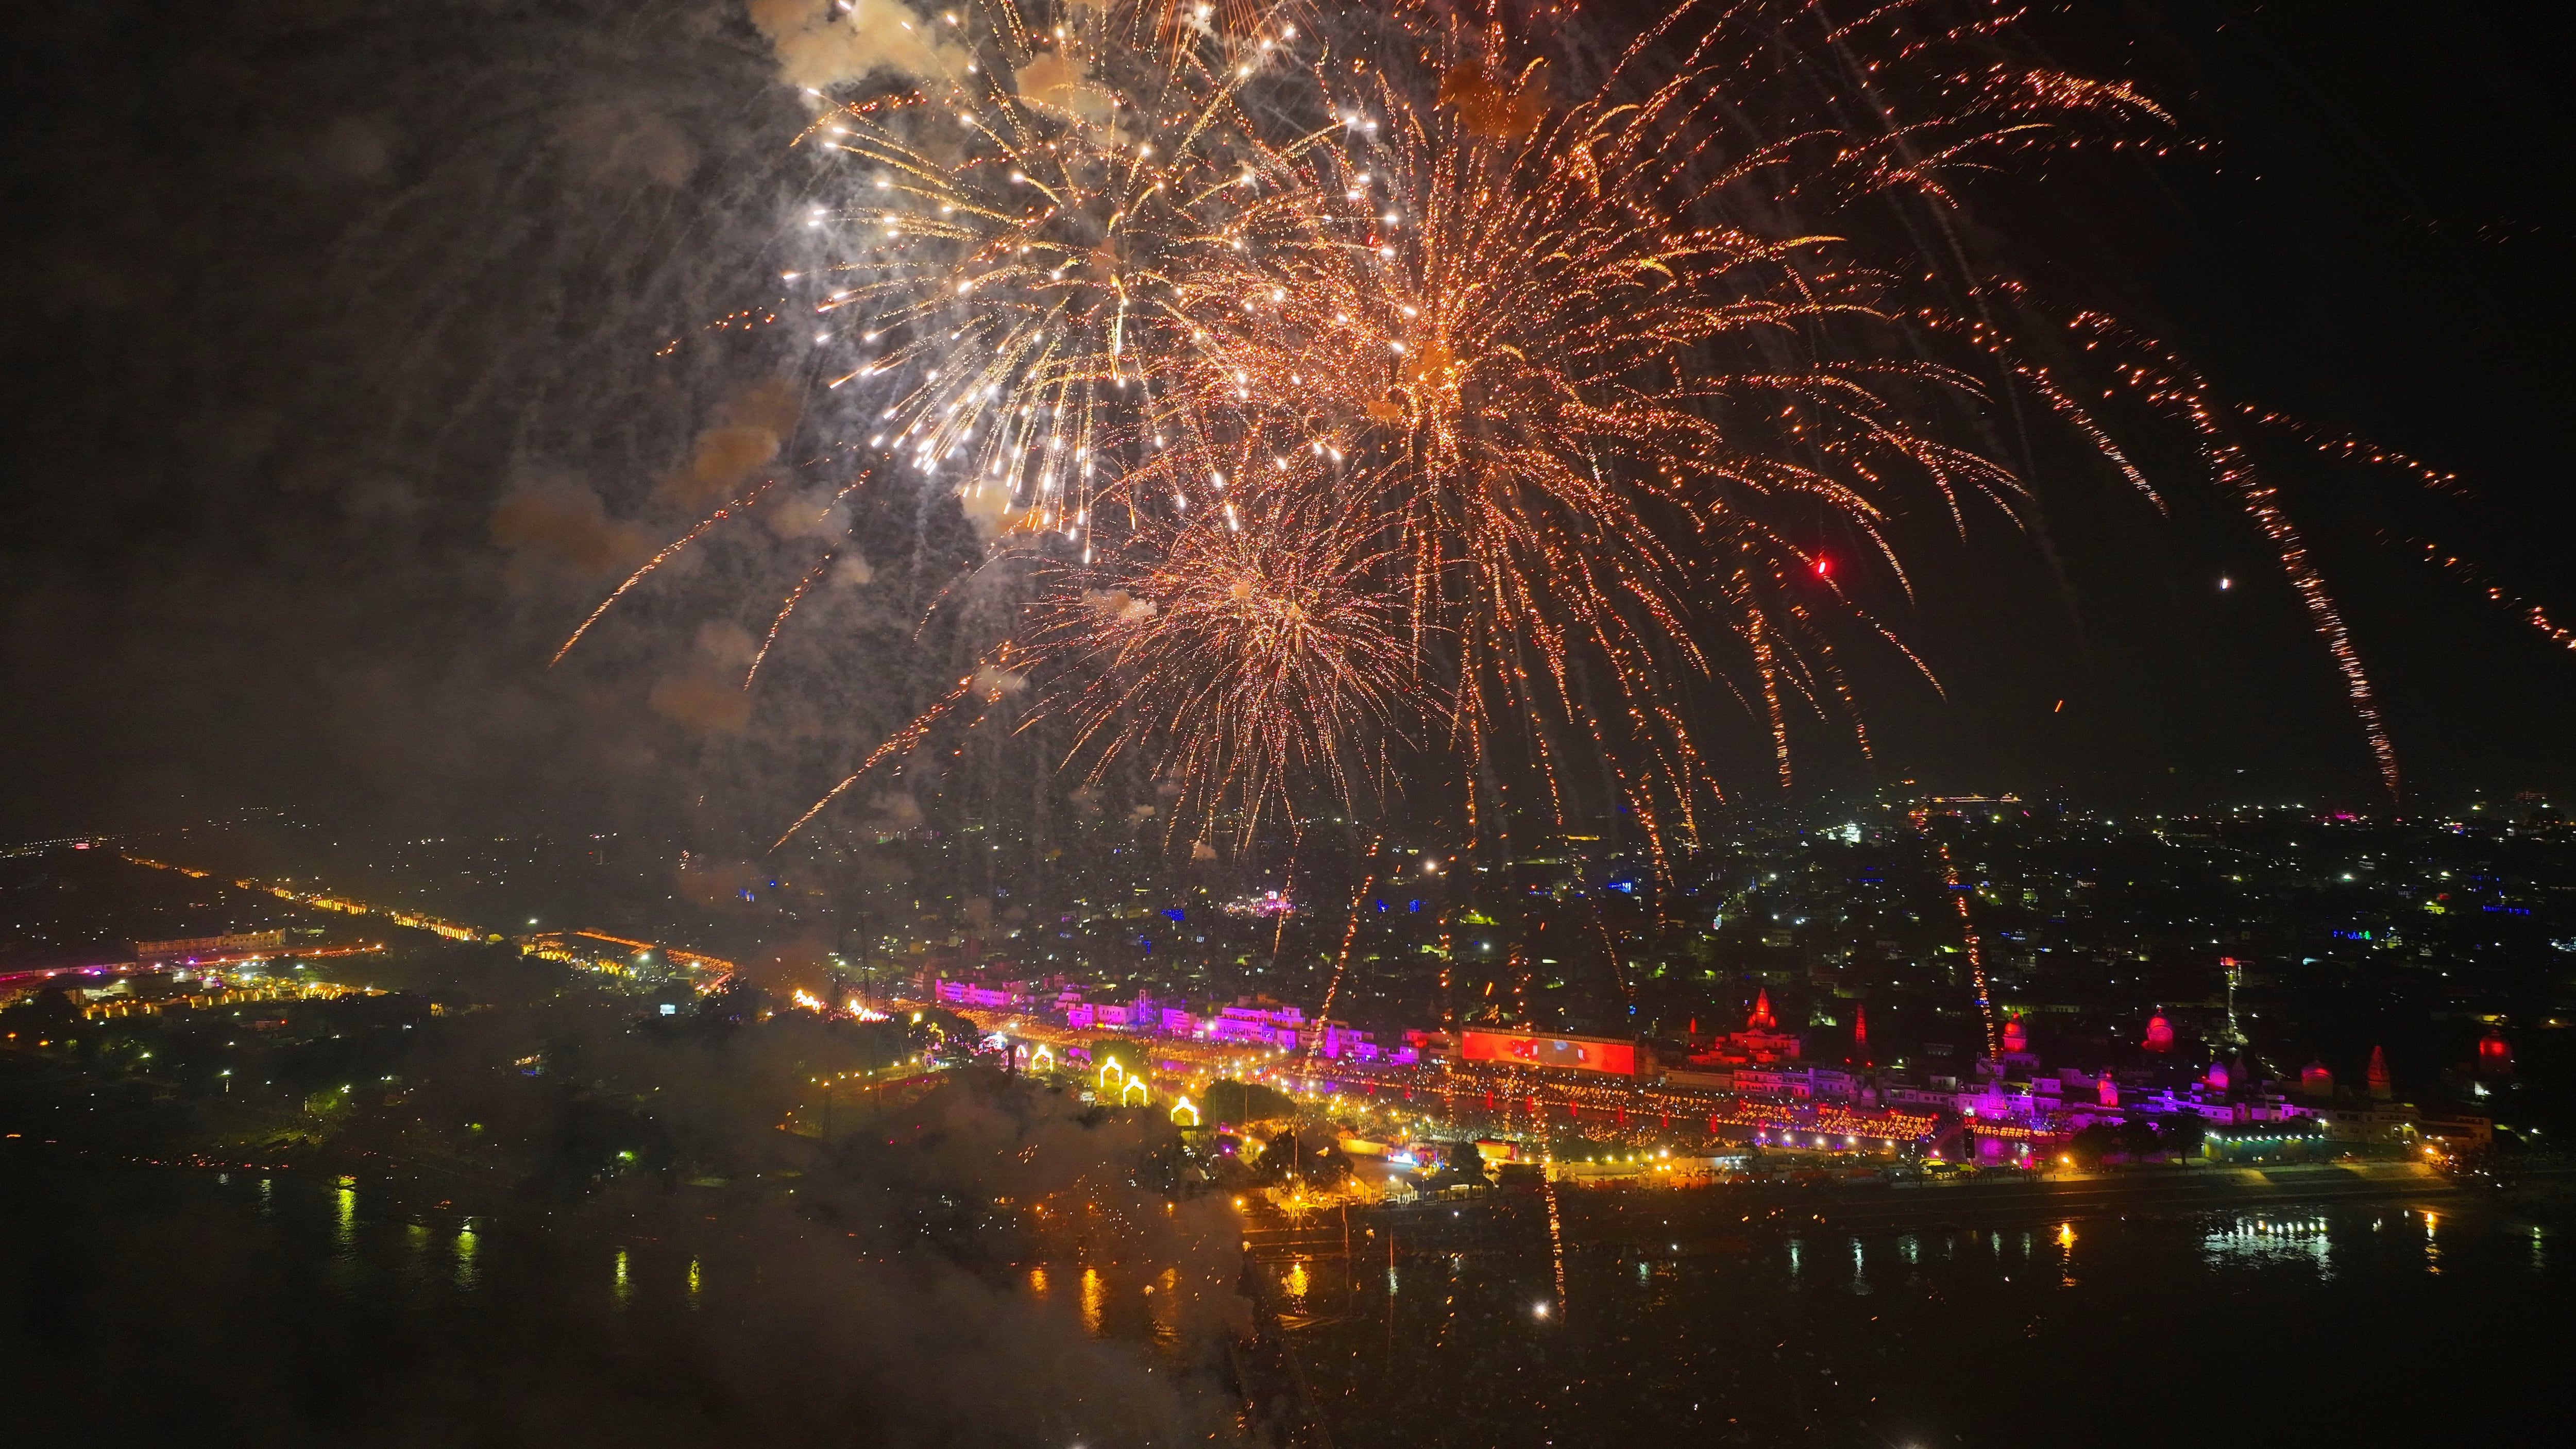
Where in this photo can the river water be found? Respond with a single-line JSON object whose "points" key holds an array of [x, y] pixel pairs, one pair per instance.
{"points": [[2348, 1325], [296, 1309], [302, 1309]]}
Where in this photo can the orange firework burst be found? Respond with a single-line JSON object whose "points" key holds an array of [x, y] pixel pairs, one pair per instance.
{"points": [[1248, 658], [1574, 378]]}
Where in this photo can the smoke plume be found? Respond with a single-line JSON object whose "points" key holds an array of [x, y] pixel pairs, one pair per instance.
{"points": [[825, 43]]}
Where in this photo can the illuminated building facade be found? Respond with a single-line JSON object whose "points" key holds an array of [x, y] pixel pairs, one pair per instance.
{"points": [[185, 948]]}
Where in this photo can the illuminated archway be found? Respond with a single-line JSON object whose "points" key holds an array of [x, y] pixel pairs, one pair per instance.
{"points": [[1111, 1073], [1185, 1105], [1042, 1060], [1136, 1086]]}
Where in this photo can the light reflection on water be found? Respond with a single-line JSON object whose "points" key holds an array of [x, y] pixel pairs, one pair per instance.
{"points": [[2248, 1240], [1128, 1302], [1165, 1292], [346, 1268]]}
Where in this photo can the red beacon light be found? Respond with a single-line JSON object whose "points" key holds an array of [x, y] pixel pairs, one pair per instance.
{"points": [[2495, 1054]]}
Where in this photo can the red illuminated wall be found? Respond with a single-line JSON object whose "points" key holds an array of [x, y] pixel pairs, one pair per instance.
{"points": [[1574, 1053]]}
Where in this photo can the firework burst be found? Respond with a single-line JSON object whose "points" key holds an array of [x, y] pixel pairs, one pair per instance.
{"points": [[1409, 394], [1246, 660], [1558, 360]]}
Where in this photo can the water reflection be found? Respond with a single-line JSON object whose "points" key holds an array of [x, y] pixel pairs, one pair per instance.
{"points": [[625, 1287], [2244, 1241], [1095, 1299], [344, 1267], [1164, 1297], [467, 1245]]}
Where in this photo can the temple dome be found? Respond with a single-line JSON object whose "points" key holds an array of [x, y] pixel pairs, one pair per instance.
{"points": [[2160, 1033], [2316, 1081]]}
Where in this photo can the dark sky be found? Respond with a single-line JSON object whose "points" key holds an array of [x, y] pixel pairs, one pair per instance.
{"points": [[302, 297]]}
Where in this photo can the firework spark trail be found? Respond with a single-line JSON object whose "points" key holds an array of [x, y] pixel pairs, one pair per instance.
{"points": [[1342, 959], [655, 562], [786, 607], [1288, 894], [2523, 609], [2177, 389], [900, 741], [1976, 947], [2346, 449]]}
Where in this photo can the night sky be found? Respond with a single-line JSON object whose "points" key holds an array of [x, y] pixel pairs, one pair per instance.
{"points": [[334, 402]]}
